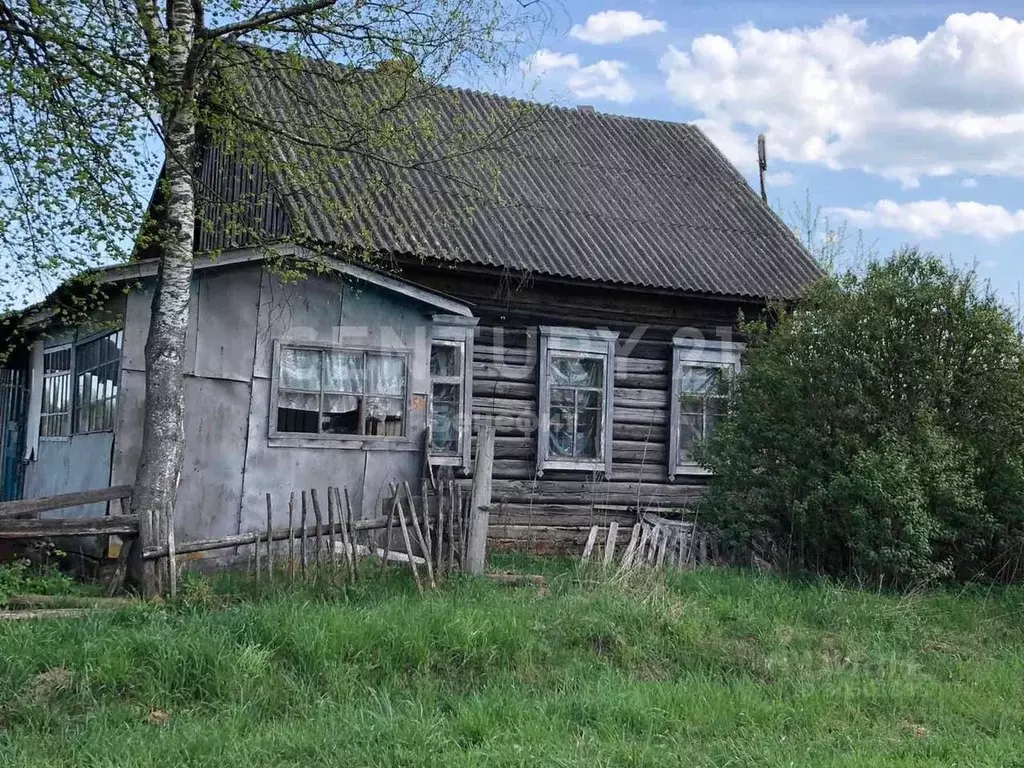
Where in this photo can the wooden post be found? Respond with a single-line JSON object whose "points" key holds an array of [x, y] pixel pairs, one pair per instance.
{"points": [[145, 569], [427, 533], [121, 566], [270, 543], [421, 539], [349, 524], [346, 542], [317, 539], [302, 536], [451, 525], [331, 554], [257, 540], [387, 536], [439, 540], [291, 535], [172, 560], [408, 543], [476, 556]]}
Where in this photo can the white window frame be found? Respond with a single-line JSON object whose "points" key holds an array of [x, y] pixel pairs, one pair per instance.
{"points": [[331, 439], [584, 343], [46, 377], [724, 355], [458, 331]]}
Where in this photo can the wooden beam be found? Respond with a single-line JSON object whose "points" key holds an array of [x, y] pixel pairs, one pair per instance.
{"points": [[121, 525], [24, 507], [476, 554]]}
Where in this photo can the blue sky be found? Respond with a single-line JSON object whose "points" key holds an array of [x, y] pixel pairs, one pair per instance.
{"points": [[905, 119]]}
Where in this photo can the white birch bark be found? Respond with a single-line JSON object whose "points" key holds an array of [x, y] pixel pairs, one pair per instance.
{"points": [[163, 439]]}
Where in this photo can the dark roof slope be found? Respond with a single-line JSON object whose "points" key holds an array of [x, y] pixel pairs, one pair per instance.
{"points": [[564, 192]]}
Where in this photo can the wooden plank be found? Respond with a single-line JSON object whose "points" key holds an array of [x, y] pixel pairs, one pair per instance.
{"points": [[302, 541], [609, 544], [588, 548], [270, 543], [291, 534], [540, 491], [346, 542], [634, 539], [119, 525], [420, 538], [405, 539], [350, 529], [318, 517], [482, 485], [23, 507], [121, 566]]}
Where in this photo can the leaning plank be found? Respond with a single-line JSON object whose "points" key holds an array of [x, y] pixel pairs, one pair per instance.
{"points": [[241, 539], [405, 539], [23, 507], [121, 566], [609, 544], [588, 549], [346, 542], [120, 525], [420, 539], [634, 537]]}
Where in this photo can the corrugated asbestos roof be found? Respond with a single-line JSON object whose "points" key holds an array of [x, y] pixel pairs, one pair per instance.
{"points": [[561, 192]]}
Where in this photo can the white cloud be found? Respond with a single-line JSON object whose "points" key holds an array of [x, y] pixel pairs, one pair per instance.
{"points": [[614, 27], [780, 179], [933, 218], [904, 108], [604, 79]]}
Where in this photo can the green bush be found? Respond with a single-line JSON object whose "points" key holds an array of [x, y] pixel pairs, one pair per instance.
{"points": [[878, 431]]}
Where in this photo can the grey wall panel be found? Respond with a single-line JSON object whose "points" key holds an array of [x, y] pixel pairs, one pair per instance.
{"points": [[138, 307], [227, 317], [384, 468], [280, 470], [216, 414], [307, 309], [128, 427], [81, 463]]}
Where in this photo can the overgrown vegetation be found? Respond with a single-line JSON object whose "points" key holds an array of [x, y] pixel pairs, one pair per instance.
{"points": [[878, 431], [23, 577], [704, 669]]}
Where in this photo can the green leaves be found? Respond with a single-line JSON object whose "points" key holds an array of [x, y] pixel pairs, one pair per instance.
{"points": [[878, 430]]}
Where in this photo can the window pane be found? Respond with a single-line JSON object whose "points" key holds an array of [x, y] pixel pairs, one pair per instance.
{"points": [[577, 372], [560, 430], [385, 375], [446, 417], [298, 412], [445, 360], [690, 431], [588, 433], [341, 414], [300, 369], [384, 416], [714, 408], [697, 380], [344, 372]]}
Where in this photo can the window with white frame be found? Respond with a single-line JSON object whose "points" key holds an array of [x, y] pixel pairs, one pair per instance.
{"points": [[698, 400], [576, 380], [97, 368], [330, 391], [55, 417], [451, 389]]}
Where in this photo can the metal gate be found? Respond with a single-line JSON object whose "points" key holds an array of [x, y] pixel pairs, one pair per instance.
{"points": [[13, 401]]}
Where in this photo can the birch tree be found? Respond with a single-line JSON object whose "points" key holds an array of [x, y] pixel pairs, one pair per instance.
{"points": [[103, 98]]}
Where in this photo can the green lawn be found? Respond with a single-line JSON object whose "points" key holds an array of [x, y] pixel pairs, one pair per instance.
{"points": [[705, 669]]}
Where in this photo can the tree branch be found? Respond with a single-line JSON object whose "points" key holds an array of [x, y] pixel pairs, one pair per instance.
{"points": [[263, 19]]}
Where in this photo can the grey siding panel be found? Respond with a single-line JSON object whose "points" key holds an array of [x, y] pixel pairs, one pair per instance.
{"points": [[128, 426], [216, 416], [81, 463], [307, 309], [227, 313], [281, 470], [138, 307]]}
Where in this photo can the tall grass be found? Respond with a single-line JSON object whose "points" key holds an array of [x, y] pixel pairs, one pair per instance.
{"points": [[704, 669]]}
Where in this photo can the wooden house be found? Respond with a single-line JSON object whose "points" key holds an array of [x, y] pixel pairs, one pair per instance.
{"points": [[584, 304]]}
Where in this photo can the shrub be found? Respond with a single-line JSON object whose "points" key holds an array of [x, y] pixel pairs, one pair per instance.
{"points": [[878, 430]]}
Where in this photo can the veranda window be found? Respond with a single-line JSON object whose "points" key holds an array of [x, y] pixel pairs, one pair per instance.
{"points": [[328, 391], [97, 367], [55, 417], [451, 389]]}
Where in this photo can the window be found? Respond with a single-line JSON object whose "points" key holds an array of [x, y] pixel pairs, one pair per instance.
{"points": [[55, 417], [698, 368], [323, 390], [577, 375], [97, 364], [451, 389]]}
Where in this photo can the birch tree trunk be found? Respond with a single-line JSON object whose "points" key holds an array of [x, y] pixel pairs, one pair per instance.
{"points": [[163, 438]]}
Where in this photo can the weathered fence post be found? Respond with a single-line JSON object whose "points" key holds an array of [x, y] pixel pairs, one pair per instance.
{"points": [[476, 554]]}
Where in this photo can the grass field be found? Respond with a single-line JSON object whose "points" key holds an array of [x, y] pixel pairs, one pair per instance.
{"points": [[705, 669]]}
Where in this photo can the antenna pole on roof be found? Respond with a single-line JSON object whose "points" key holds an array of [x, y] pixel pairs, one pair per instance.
{"points": [[762, 163]]}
